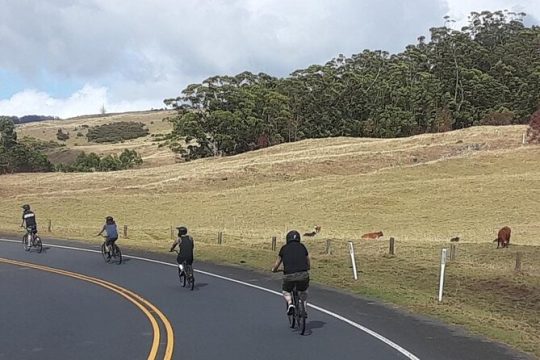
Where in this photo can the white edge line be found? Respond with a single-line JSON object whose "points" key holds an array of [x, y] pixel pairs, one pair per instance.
{"points": [[376, 335]]}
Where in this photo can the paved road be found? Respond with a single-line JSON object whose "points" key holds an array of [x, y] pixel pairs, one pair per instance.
{"points": [[67, 317]]}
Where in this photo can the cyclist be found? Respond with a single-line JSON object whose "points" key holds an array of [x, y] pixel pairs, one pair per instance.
{"points": [[111, 230], [185, 243], [29, 219], [296, 265]]}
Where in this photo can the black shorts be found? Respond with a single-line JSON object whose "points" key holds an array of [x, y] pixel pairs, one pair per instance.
{"points": [[111, 240], [300, 280], [180, 259], [32, 229]]}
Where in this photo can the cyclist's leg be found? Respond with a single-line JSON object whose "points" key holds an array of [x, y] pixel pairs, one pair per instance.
{"points": [[180, 260], [33, 232], [287, 288], [108, 243], [302, 287], [189, 261]]}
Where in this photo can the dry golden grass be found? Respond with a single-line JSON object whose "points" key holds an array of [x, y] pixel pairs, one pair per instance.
{"points": [[421, 190], [152, 155]]}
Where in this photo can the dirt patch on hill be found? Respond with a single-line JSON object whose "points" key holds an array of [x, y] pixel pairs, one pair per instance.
{"points": [[63, 156]]}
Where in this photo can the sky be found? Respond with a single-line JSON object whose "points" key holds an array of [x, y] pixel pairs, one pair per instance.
{"points": [[71, 57]]}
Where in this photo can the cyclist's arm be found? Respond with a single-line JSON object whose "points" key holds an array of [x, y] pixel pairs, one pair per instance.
{"points": [[102, 230], [276, 265], [308, 262], [174, 245]]}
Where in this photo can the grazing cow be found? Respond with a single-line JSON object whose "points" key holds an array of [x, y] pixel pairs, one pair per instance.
{"points": [[503, 237], [372, 235], [455, 239], [316, 230]]}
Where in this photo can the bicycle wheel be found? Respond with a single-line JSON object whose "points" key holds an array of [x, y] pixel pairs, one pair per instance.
{"points": [[26, 242], [301, 319], [117, 254], [106, 255], [38, 244], [182, 277], [292, 317], [191, 278]]}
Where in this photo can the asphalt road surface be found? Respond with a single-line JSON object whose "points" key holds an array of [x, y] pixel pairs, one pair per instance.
{"points": [[69, 304]]}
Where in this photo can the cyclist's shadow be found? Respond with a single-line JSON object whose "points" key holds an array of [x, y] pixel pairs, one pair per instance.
{"points": [[199, 285], [311, 325]]}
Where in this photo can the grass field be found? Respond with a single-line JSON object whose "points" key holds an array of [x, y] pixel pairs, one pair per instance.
{"points": [[421, 190], [145, 146]]}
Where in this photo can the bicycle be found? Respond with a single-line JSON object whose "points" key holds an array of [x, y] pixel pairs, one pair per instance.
{"points": [[31, 239], [298, 318], [111, 252], [186, 276]]}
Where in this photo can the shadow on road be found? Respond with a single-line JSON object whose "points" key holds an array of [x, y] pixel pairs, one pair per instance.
{"points": [[310, 326], [199, 285]]}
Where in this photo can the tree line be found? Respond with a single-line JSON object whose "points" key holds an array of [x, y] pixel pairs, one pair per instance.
{"points": [[28, 155], [486, 73]]}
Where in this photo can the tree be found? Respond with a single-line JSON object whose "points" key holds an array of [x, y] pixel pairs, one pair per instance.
{"points": [[18, 157], [485, 73], [8, 136], [533, 131]]}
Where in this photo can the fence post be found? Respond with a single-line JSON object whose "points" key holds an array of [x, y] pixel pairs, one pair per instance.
{"points": [[220, 237], [441, 279], [125, 231], [392, 247], [49, 227], [351, 251], [274, 239], [328, 245], [523, 139], [518, 262], [453, 252]]}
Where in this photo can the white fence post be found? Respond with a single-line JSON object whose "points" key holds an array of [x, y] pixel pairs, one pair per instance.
{"points": [[441, 280], [523, 139], [351, 251]]}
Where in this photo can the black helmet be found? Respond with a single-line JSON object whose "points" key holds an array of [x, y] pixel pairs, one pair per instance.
{"points": [[109, 218], [182, 230], [293, 235], [26, 207]]}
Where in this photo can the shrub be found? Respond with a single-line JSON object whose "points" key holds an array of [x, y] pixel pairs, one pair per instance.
{"points": [[496, 118], [61, 135], [533, 131], [116, 132], [93, 162]]}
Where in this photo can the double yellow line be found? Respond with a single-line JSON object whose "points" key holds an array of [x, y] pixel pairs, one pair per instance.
{"points": [[144, 305]]}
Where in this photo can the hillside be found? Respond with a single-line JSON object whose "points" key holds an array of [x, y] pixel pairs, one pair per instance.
{"points": [[323, 178], [152, 156], [421, 190]]}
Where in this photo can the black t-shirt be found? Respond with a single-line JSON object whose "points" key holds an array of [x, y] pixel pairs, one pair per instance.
{"points": [[29, 218], [186, 246], [294, 257]]}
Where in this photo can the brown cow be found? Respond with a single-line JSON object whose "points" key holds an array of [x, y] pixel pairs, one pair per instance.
{"points": [[372, 235], [316, 230], [503, 237]]}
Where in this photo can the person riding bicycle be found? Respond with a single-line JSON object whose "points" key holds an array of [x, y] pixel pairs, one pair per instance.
{"points": [[185, 243], [112, 232], [29, 219], [296, 265]]}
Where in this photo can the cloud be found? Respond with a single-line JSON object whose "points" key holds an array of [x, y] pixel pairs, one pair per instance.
{"points": [[144, 51], [87, 100], [170, 42]]}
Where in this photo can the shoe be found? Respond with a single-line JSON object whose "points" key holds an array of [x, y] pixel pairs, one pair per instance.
{"points": [[290, 310]]}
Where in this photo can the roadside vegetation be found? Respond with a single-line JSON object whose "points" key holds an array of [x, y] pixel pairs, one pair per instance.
{"points": [[422, 191]]}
